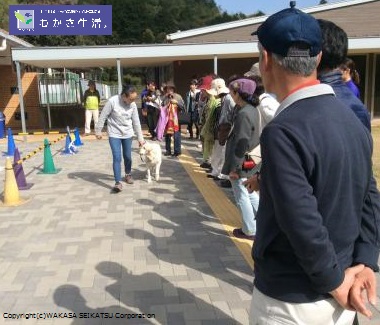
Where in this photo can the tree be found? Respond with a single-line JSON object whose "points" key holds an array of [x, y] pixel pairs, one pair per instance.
{"points": [[4, 13], [48, 2], [148, 36], [225, 18], [258, 14], [322, 2]]}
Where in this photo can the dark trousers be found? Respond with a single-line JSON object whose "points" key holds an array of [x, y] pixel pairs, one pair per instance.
{"points": [[177, 142], [152, 118], [193, 122]]}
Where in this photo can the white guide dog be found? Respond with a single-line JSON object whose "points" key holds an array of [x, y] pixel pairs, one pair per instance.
{"points": [[150, 153]]}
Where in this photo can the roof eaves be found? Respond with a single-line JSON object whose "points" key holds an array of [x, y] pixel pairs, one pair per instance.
{"points": [[336, 5], [215, 28], [256, 20], [14, 39]]}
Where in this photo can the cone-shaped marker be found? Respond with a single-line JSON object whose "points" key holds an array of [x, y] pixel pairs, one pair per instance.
{"points": [[73, 148], [19, 173], [67, 150], [11, 144], [78, 141], [11, 196], [49, 167], [72, 136]]}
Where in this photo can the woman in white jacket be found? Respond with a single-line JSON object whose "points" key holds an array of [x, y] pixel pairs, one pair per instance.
{"points": [[123, 122]]}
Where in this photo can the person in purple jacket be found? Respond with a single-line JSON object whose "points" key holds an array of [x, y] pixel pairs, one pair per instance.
{"points": [[314, 182], [350, 76]]}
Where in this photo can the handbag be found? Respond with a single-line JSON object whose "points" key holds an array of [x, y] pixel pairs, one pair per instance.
{"points": [[252, 160], [183, 117], [223, 133]]}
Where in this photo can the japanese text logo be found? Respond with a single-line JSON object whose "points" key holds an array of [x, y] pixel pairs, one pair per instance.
{"points": [[60, 20]]}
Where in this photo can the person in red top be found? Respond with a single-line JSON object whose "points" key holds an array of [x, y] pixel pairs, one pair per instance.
{"points": [[174, 103]]}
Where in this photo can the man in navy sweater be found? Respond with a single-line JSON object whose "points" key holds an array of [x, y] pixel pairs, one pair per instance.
{"points": [[314, 181]]}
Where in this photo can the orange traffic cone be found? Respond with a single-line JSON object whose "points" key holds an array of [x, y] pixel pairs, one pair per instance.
{"points": [[11, 196]]}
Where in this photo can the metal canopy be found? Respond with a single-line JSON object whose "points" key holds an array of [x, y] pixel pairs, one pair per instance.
{"points": [[151, 55], [129, 55]]}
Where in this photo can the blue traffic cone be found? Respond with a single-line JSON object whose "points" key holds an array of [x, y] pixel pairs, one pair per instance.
{"points": [[67, 150], [19, 172], [77, 141], [11, 144]]}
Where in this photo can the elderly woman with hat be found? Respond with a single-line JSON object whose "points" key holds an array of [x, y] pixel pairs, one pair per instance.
{"points": [[243, 137], [206, 104], [220, 91]]}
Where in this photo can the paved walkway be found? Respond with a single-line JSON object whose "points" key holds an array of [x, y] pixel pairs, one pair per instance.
{"points": [[161, 248], [153, 248]]}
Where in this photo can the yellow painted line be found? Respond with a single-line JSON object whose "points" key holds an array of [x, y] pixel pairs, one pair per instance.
{"points": [[38, 133], [220, 204], [53, 132]]}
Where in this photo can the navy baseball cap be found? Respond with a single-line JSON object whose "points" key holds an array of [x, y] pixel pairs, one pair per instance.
{"points": [[287, 27]]}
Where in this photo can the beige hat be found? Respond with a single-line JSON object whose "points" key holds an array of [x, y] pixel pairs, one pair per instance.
{"points": [[218, 86], [254, 71], [169, 85]]}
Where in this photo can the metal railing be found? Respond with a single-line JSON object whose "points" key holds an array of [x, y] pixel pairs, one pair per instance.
{"points": [[59, 89]]}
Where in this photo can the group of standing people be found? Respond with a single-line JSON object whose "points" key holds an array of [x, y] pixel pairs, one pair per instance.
{"points": [[162, 111], [231, 118]]}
